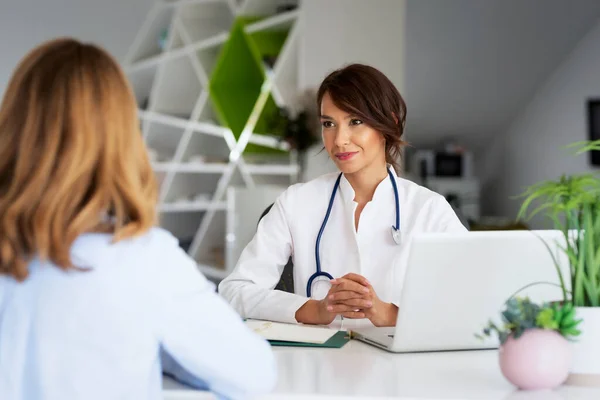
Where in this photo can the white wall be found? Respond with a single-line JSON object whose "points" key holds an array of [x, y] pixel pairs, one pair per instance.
{"points": [[533, 146], [24, 24], [339, 32]]}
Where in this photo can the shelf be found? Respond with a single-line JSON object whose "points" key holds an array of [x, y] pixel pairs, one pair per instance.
{"points": [[268, 141], [177, 42], [207, 128], [163, 167], [151, 116], [208, 115], [282, 21], [162, 142], [191, 206], [236, 178], [192, 187], [238, 78], [154, 40], [234, 5], [262, 7], [141, 81], [285, 85], [268, 125], [188, 49], [267, 42], [173, 3], [211, 249], [182, 225], [191, 168], [203, 148], [198, 69], [282, 169], [179, 88], [205, 20], [268, 38], [265, 138], [208, 56], [160, 178], [278, 180]]}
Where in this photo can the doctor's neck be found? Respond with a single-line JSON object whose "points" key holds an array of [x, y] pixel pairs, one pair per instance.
{"points": [[365, 181]]}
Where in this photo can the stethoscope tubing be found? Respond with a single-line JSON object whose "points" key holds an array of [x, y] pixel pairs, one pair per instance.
{"points": [[319, 272]]}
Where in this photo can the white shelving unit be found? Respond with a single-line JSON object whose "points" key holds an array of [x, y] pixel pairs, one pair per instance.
{"points": [[195, 158]]}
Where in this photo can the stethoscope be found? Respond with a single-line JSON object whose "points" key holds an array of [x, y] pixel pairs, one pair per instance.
{"points": [[396, 235]]}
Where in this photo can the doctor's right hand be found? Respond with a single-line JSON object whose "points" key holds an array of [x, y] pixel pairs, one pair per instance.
{"points": [[315, 312]]}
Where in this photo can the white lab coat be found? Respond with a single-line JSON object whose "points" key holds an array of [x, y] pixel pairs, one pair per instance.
{"points": [[291, 228]]}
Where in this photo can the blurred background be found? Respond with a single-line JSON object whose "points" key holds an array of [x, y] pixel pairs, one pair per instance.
{"points": [[495, 90]]}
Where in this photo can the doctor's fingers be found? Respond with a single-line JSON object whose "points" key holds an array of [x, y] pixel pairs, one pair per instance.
{"points": [[346, 295], [356, 303], [342, 308], [354, 315], [347, 284], [357, 278]]}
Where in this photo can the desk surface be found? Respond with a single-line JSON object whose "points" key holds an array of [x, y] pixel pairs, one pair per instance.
{"points": [[359, 370]]}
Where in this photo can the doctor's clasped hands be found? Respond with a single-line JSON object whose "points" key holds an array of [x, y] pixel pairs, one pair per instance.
{"points": [[351, 296]]}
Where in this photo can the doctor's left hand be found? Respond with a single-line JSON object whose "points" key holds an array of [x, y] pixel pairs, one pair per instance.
{"points": [[352, 296]]}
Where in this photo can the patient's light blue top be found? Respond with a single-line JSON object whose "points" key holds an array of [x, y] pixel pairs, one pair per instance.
{"points": [[97, 334]]}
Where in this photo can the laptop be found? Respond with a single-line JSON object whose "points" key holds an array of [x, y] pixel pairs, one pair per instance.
{"points": [[455, 283]]}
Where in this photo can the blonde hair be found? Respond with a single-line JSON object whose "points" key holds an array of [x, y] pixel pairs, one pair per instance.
{"points": [[72, 158]]}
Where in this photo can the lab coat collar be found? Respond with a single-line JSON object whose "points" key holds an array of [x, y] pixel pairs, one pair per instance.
{"points": [[384, 187]]}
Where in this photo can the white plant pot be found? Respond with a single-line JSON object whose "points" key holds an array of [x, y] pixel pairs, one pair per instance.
{"points": [[585, 369]]}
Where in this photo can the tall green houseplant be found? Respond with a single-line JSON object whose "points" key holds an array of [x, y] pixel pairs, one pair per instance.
{"points": [[573, 204]]}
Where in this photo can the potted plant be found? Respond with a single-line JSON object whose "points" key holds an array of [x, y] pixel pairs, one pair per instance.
{"points": [[298, 131], [573, 204], [534, 348]]}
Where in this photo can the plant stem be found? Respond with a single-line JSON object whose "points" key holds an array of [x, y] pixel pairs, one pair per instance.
{"points": [[592, 292], [539, 283], [558, 271], [578, 288]]}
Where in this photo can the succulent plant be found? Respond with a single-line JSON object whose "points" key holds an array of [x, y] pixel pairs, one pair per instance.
{"points": [[522, 314]]}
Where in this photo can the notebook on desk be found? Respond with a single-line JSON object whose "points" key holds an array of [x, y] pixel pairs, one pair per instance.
{"points": [[294, 335]]}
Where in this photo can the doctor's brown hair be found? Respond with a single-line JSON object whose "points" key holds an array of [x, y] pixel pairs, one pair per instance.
{"points": [[368, 94], [72, 158]]}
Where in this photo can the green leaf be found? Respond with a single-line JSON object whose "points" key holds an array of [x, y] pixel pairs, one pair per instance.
{"points": [[585, 146], [545, 319], [569, 325], [556, 266], [578, 286], [559, 312], [590, 282], [571, 332]]}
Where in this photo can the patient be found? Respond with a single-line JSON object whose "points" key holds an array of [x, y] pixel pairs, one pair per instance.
{"points": [[91, 291]]}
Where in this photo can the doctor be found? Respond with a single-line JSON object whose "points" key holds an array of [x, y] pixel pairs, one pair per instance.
{"points": [[349, 232]]}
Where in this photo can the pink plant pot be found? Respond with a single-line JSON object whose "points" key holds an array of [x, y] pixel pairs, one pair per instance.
{"points": [[538, 359]]}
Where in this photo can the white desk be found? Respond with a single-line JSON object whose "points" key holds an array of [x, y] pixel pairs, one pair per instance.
{"points": [[361, 371]]}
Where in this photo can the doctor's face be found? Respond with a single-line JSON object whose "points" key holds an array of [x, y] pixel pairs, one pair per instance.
{"points": [[351, 144]]}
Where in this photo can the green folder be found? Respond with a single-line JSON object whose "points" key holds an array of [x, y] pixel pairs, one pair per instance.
{"points": [[335, 342]]}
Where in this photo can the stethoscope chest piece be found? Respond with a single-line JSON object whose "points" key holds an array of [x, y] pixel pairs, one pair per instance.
{"points": [[396, 235]]}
